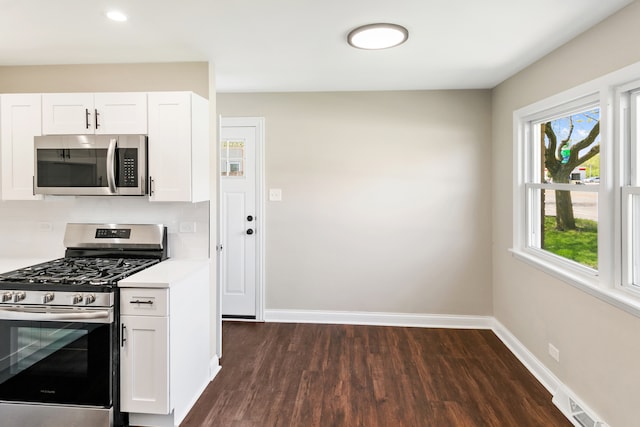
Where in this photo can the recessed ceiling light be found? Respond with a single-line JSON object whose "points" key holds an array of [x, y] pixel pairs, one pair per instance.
{"points": [[116, 15], [378, 36]]}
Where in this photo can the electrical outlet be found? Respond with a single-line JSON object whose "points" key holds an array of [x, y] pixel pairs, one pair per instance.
{"points": [[45, 226], [554, 352], [275, 194], [187, 227]]}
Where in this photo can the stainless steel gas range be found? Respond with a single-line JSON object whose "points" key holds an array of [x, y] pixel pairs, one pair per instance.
{"points": [[59, 323]]}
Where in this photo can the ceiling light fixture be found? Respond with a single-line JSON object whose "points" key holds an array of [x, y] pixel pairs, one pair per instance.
{"points": [[378, 36], [116, 15]]}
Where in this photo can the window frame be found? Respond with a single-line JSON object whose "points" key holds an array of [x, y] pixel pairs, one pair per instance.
{"points": [[612, 93], [529, 158], [533, 182], [629, 101]]}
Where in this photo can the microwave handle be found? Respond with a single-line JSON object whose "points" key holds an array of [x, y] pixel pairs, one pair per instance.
{"points": [[111, 164]]}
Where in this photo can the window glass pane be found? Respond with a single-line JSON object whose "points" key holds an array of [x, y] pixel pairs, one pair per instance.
{"points": [[633, 222], [570, 148], [232, 158], [570, 226], [635, 240], [634, 152]]}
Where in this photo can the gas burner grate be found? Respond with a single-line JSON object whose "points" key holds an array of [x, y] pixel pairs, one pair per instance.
{"points": [[79, 271]]}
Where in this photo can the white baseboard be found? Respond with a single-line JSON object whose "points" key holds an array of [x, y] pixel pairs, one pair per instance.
{"points": [[214, 367], [564, 398], [151, 420], [539, 370], [379, 319], [560, 392]]}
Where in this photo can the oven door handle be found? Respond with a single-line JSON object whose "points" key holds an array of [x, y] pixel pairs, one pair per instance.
{"points": [[48, 315], [111, 164]]}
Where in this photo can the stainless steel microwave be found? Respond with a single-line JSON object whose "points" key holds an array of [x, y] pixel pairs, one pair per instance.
{"points": [[91, 165]]}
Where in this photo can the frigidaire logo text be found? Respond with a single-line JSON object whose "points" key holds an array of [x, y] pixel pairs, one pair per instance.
{"points": [[48, 391]]}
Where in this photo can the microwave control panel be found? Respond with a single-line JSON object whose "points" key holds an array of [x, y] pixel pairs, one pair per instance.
{"points": [[128, 173]]}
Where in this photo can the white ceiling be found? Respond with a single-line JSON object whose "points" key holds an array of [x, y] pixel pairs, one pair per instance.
{"points": [[300, 45]]}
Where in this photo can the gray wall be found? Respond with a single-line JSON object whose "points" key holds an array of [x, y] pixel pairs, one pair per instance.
{"points": [[386, 199], [599, 344], [193, 76]]}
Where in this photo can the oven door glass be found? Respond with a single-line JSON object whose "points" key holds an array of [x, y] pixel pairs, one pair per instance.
{"points": [[56, 362]]}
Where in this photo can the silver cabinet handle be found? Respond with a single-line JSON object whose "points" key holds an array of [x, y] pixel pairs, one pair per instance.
{"points": [[151, 189]]}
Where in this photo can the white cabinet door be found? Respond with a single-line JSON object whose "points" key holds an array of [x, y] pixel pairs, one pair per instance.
{"points": [[178, 147], [88, 113], [20, 121], [144, 356], [67, 113], [121, 113], [170, 146]]}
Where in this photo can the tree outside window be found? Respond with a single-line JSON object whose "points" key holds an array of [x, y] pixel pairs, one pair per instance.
{"points": [[569, 154]]}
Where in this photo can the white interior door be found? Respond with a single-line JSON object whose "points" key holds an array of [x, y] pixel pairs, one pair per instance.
{"points": [[240, 217]]}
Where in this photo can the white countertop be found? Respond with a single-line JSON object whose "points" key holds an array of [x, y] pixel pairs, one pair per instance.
{"points": [[164, 274]]}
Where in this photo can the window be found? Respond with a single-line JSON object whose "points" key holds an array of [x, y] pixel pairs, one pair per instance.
{"points": [[560, 175], [563, 194], [577, 187], [232, 158], [630, 198]]}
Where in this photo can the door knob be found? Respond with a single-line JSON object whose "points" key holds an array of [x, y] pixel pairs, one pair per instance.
{"points": [[250, 218], [250, 231]]}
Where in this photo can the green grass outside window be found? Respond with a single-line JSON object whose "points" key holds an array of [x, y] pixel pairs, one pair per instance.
{"points": [[580, 245]]}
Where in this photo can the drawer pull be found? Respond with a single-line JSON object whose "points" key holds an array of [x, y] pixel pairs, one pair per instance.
{"points": [[137, 301]]}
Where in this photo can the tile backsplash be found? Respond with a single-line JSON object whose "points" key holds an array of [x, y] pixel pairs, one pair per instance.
{"points": [[35, 229]]}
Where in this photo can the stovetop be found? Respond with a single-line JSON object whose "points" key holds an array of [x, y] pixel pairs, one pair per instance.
{"points": [[97, 256], [71, 273]]}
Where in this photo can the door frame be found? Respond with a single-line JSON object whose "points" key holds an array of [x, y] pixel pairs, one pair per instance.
{"points": [[258, 123]]}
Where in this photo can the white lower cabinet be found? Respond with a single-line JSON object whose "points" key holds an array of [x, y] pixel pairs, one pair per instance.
{"points": [[164, 342], [144, 352]]}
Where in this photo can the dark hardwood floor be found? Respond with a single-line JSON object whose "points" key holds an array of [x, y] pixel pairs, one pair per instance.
{"points": [[304, 375]]}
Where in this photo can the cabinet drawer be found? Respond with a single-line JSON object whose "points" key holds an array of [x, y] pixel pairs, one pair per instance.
{"points": [[144, 302]]}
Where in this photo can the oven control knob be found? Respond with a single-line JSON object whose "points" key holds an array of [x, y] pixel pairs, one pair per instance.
{"points": [[77, 299], [7, 296], [19, 296], [89, 299], [47, 298]]}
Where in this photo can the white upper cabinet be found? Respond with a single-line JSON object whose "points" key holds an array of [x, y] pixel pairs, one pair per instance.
{"points": [[178, 147], [20, 121], [177, 125], [99, 113]]}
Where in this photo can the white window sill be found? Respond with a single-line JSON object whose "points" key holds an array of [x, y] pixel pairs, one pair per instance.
{"points": [[617, 298]]}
